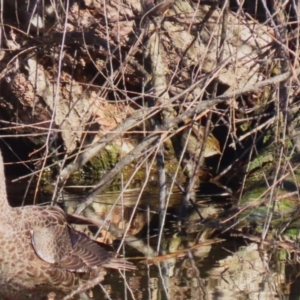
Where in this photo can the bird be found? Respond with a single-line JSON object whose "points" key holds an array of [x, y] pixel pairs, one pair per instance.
{"points": [[40, 253], [193, 139]]}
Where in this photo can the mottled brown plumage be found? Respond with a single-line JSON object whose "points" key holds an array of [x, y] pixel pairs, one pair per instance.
{"points": [[40, 253], [193, 139]]}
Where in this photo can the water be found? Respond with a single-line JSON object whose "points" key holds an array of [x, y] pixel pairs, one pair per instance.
{"points": [[231, 269]]}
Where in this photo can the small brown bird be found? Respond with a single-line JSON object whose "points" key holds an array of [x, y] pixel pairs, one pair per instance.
{"points": [[40, 253], [193, 139]]}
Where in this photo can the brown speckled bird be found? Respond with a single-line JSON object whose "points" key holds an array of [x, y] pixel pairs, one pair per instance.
{"points": [[193, 139], [40, 253]]}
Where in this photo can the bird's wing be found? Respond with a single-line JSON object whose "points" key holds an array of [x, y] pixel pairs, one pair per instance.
{"points": [[55, 242], [86, 250]]}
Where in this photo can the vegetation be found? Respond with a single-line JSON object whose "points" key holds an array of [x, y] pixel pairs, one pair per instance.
{"points": [[192, 97]]}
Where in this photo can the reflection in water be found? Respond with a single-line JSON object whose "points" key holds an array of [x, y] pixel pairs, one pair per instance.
{"points": [[184, 271], [244, 274]]}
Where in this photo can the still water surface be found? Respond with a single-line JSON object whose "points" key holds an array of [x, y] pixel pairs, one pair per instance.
{"points": [[227, 270]]}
